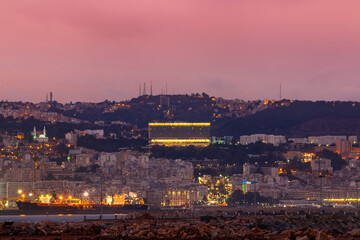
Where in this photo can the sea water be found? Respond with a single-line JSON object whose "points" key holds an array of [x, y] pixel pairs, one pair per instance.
{"points": [[58, 217]]}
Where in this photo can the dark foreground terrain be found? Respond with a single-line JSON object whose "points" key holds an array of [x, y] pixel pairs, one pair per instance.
{"points": [[298, 226]]}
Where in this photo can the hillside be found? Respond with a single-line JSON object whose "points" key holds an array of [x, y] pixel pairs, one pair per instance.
{"points": [[300, 118]]}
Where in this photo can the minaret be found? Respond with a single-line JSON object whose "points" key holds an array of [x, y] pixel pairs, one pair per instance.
{"points": [[34, 133], [139, 89], [144, 89], [44, 131], [51, 97], [47, 98]]}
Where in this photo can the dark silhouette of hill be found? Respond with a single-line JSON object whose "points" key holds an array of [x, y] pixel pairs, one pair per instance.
{"points": [[300, 118], [145, 109], [292, 119]]}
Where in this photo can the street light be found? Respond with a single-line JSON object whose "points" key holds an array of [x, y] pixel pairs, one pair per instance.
{"points": [[86, 194], [19, 191]]}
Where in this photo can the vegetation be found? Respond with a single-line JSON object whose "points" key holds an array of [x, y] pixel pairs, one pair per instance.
{"points": [[336, 161], [238, 197], [109, 145], [300, 118]]}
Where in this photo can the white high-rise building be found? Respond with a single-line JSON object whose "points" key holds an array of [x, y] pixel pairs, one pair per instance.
{"points": [[272, 139], [322, 164], [71, 138]]}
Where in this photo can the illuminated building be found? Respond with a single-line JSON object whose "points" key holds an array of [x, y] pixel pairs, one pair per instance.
{"points": [[343, 146], [227, 140], [42, 138], [184, 196], [179, 134]]}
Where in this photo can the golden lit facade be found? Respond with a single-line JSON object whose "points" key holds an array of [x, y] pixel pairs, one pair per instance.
{"points": [[179, 134]]}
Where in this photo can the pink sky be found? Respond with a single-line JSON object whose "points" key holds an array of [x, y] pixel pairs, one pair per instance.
{"points": [[95, 50]]}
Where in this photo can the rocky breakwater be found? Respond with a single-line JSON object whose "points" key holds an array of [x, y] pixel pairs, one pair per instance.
{"points": [[146, 226]]}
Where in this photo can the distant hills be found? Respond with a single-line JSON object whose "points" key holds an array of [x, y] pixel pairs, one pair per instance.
{"points": [[227, 117], [292, 118], [299, 119]]}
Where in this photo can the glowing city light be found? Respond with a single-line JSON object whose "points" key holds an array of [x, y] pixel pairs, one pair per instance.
{"points": [[179, 124]]}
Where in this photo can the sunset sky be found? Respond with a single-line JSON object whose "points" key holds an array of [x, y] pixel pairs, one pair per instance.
{"points": [[96, 50]]}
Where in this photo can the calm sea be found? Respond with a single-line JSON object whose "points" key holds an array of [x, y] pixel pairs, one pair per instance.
{"points": [[57, 218]]}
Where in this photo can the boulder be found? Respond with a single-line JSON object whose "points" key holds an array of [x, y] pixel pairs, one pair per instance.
{"points": [[355, 232], [322, 236]]}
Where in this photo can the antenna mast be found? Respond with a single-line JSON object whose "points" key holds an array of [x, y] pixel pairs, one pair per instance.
{"points": [[151, 88]]}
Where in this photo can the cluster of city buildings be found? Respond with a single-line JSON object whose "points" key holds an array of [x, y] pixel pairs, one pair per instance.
{"points": [[324, 140], [239, 108], [340, 141], [38, 111], [44, 168], [271, 139]]}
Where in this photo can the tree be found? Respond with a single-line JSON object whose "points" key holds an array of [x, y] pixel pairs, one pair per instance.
{"points": [[336, 161], [238, 197], [94, 168], [50, 177], [62, 149]]}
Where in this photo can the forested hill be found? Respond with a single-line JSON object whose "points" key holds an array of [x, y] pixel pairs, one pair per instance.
{"points": [[300, 118]]}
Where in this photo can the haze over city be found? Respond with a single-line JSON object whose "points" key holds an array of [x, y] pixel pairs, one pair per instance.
{"points": [[91, 51]]}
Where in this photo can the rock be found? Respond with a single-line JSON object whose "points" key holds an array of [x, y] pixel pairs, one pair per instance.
{"points": [[334, 232], [143, 233], [322, 236], [311, 233], [56, 232], [302, 238], [287, 233], [145, 216], [183, 235], [214, 234], [93, 230], [355, 232], [150, 235]]}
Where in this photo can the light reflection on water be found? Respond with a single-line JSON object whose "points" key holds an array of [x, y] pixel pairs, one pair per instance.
{"points": [[57, 218]]}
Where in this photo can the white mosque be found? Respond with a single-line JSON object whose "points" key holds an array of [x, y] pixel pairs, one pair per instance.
{"points": [[42, 138]]}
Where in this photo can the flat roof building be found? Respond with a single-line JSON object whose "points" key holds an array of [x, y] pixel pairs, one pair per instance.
{"points": [[179, 134]]}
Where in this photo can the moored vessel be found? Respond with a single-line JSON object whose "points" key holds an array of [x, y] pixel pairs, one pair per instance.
{"points": [[82, 208], [49, 205]]}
